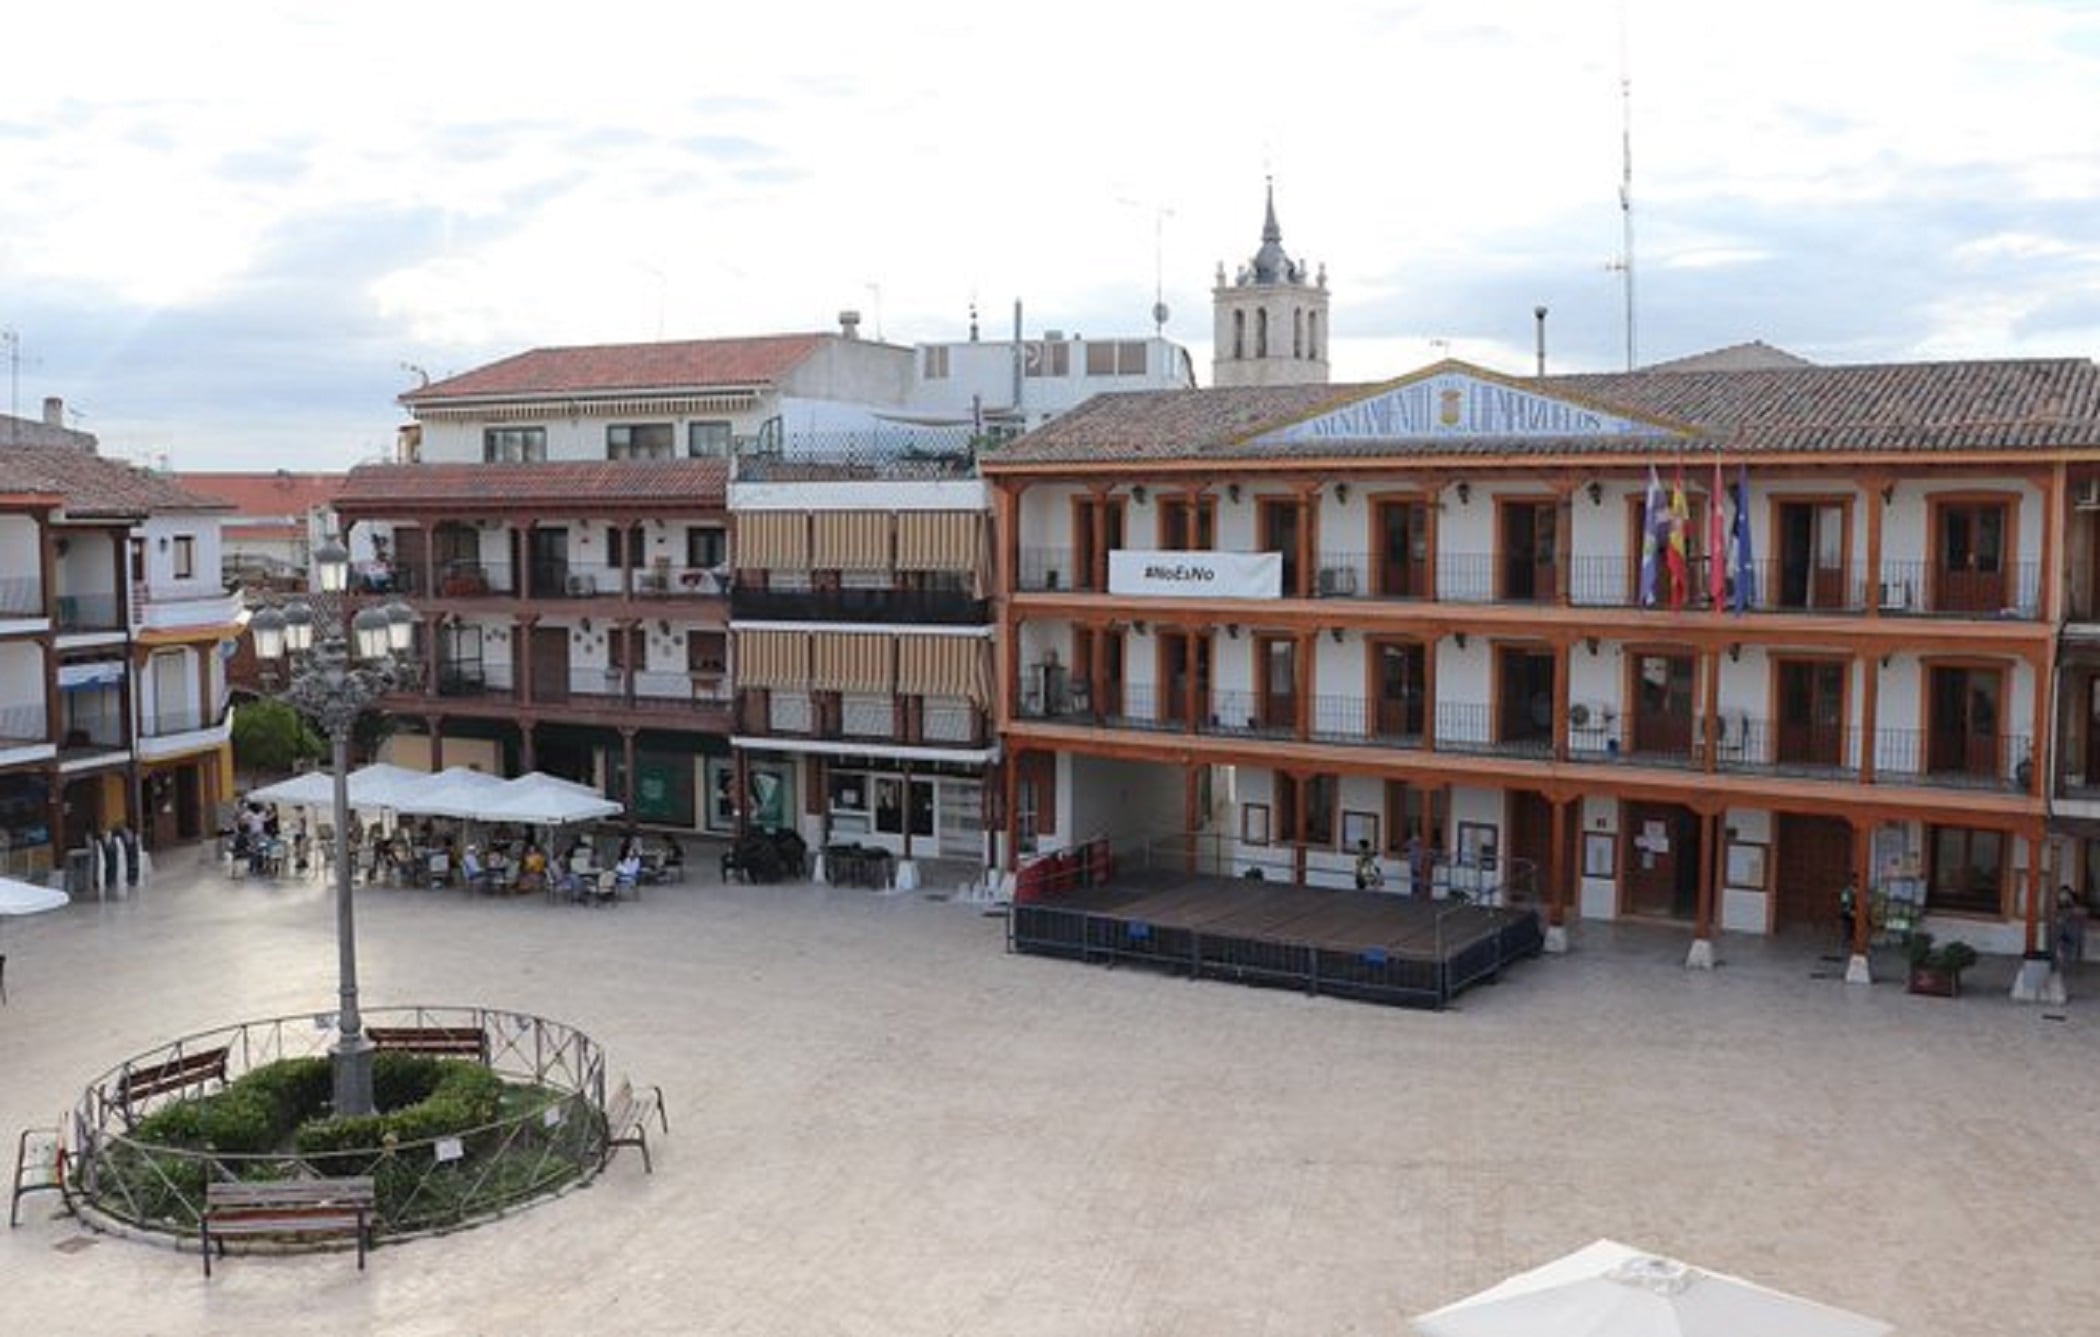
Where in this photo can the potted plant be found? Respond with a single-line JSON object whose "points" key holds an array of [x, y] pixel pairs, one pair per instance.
{"points": [[1936, 969]]}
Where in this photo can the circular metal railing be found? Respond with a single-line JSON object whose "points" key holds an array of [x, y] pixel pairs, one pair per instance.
{"points": [[548, 1134]]}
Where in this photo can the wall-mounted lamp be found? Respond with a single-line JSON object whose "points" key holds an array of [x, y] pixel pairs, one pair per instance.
{"points": [[1735, 652], [1137, 494], [1341, 493], [1888, 493], [1596, 491], [1335, 634], [1232, 629], [1887, 659], [164, 543], [1465, 493], [663, 626], [1232, 490], [586, 624], [1591, 642], [1460, 638], [1140, 627]]}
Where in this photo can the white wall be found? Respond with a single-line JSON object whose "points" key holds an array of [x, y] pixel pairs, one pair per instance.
{"points": [[1127, 801]]}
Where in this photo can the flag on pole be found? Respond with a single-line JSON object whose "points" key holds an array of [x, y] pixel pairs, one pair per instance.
{"points": [[1653, 522], [1674, 555], [1716, 560], [1745, 563]]}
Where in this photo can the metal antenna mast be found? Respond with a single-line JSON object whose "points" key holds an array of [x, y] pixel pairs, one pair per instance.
{"points": [[1625, 265]]}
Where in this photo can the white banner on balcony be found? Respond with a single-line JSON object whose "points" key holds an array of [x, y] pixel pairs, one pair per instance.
{"points": [[1199, 575]]}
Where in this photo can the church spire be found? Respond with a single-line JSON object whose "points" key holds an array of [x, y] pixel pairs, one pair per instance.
{"points": [[1271, 265]]}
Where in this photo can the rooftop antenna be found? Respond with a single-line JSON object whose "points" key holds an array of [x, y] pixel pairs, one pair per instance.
{"points": [[1159, 271], [1624, 263]]}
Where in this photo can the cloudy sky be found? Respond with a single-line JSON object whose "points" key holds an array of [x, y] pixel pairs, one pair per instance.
{"points": [[228, 234]]}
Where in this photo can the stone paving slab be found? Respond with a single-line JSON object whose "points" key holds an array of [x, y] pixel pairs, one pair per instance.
{"points": [[881, 1123]]}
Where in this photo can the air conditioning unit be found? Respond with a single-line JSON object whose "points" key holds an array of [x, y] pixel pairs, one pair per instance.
{"points": [[1584, 715], [1337, 581], [1895, 595]]}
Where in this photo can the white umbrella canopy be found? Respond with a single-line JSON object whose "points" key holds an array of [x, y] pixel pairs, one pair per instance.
{"points": [[27, 898], [544, 800], [379, 785], [456, 791], [1608, 1289]]}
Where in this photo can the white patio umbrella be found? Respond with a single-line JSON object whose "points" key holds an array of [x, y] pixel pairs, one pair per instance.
{"points": [[1608, 1289], [27, 898]]}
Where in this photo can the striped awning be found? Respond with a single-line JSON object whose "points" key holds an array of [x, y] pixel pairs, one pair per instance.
{"points": [[952, 666], [853, 662], [775, 659], [772, 540], [939, 540], [850, 541]]}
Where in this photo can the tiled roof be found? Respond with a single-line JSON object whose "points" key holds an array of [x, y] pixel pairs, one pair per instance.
{"points": [[265, 503], [95, 486], [1751, 356], [2012, 406], [559, 486], [694, 364]]}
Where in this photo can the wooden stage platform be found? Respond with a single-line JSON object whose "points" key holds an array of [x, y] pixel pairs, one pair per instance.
{"points": [[1376, 946]]}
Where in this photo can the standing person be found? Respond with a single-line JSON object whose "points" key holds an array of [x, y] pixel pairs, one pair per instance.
{"points": [[2068, 939], [1848, 900], [1369, 876]]}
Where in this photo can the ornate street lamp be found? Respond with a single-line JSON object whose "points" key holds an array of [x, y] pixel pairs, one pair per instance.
{"points": [[333, 683]]}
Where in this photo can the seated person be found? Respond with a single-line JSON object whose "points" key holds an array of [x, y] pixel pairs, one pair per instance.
{"points": [[628, 872], [471, 870], [532, 869]]}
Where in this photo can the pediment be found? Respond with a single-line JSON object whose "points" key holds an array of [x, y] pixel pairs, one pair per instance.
{"points": [[1451, 401]]}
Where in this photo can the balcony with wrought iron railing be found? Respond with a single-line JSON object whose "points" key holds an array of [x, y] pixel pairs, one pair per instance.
{"points": [[1912, 588], [1742, 745], [169, 723], [925, 607], [867, 718]]}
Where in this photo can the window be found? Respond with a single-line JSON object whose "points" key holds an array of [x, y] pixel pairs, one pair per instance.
{"points": [[1188, 524], [1116, 357], [513, 445], [933, 362], [1048, 358], [624, 547], [616, 650], [1312, 335], [638, 441], [1316, 820], [707, 440], [1297, 332], [1968, 870], [706, 546], [707, 652], [185, 556], [1261, 333], [1239, 335]]}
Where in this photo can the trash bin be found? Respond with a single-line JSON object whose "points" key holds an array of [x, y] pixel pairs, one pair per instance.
{"points": [[80, 875]]}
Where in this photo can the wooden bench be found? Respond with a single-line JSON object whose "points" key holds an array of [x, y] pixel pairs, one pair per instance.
{"points": [[286, 1207], [194, 1068], [627, 1119], [447, 1041]]}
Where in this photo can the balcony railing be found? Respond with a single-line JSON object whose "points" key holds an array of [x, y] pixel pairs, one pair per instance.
{"points": [[925, 607], [1913, 588], [833, 716], [21, 596], [456, 579], [893, 453], [24, 722], [188, 719], [88, 612], [1742, 744]]}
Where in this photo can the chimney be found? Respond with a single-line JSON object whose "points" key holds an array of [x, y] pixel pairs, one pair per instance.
{"points": [[849, 324], [1538, 313], [54, 411]]}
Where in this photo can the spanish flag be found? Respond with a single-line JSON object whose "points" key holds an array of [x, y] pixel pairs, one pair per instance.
{"points": [[1674, 555]]}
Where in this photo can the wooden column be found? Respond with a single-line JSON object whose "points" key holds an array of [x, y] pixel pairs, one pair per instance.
{"points": [[520, 552], [1873, 483], [1561, 680], [907, 812], [437, 742], [1308, 516], [2036, 887], [526, 753], [1010, 676], [1869, 711], [1710, 727], [1096, 669], [2042, 665], [521, 654], [1557, 866], [1710, 827], [1563, 541], [1862, 884], [627, 786], [1429, 653], [2048, 602], [1191, 818], [1010, 787], [1308, 651], [1295, 820], [742, 796], [1188, 674]]}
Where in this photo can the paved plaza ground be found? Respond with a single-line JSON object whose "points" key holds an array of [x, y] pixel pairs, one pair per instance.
{"points": [[881, 1123]]}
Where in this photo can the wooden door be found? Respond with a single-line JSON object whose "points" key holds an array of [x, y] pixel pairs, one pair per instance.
{"points": [[550, 664], [1529, 822], [1662, 705], [1530, 540], [1811, 712], [1276, 682], [1403, 549], [1279, 517], [1809, 868], [1969, 576], [1659, 853], [1962, 727], [1402, 701]]}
